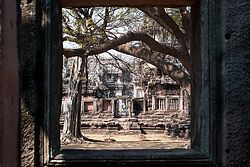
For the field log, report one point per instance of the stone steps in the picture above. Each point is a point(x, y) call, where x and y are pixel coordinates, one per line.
point(169, 122)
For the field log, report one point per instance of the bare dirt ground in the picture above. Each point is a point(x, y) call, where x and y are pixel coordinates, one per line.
point(128, 140)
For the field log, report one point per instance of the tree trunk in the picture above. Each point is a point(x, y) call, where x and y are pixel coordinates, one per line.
point(76, 112)
point(72, 113)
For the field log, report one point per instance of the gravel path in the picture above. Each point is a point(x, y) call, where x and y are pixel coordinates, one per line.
point(129, 141)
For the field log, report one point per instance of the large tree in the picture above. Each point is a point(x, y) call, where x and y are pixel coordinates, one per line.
point(134, 32)
point(157, 35)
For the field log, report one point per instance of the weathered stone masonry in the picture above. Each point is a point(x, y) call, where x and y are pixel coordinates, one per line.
point(31, 61)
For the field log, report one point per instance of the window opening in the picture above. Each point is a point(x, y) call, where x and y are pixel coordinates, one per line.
point(126, 78)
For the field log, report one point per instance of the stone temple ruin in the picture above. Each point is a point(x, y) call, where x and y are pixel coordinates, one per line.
point(134, 104)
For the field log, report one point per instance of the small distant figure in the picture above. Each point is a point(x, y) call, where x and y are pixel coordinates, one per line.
point(142, 130)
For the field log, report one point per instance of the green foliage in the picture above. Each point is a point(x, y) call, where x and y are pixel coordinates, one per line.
point(175, 15)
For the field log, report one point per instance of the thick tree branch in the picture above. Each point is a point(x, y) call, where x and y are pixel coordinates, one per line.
point(186, 23)
point(130, 36)
point(84, 13)
point(106, 18)
point(162, 18)
point(173, 71)
point(73, 53)
point(153, 14)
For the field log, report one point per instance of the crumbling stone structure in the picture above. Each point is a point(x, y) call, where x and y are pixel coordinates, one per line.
point(228, 28)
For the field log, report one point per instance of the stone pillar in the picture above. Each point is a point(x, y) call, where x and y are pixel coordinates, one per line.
point(109, 109)
point(82, 107)
point(135, 91)
point(185, 106)
point(30, 47)
point(174, 102)
point(159, 103)
point(144, 105)
point(113, 107)
point(170, 104)
point(163, 104)
point(153, 102)
point(94, 105)
point(129, 108)
point(100, 105)
point(181, 101)
point(132, 107)
point(166, 104)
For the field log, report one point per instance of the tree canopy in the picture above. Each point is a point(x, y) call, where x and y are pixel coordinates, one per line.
point(157, 35)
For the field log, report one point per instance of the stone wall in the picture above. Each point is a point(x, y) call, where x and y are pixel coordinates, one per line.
point(236, 82)
point(30, 51)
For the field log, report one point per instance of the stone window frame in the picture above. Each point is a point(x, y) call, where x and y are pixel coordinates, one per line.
point(203, 128)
